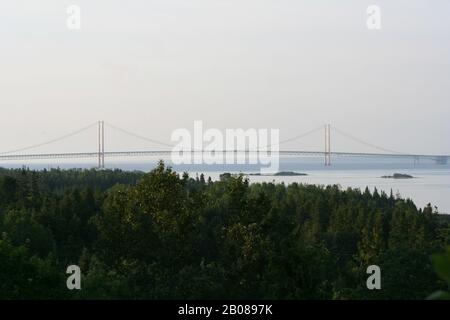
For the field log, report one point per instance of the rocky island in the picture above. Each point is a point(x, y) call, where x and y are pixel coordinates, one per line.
point(398, 176)
point(280, 174)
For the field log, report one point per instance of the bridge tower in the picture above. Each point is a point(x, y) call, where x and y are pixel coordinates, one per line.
point(101, 144)
point(327, 145)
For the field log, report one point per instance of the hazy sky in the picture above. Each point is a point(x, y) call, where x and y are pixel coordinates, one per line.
point(155, 66)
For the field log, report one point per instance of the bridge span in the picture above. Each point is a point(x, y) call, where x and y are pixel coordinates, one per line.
point(101, 154)
point(439, 159)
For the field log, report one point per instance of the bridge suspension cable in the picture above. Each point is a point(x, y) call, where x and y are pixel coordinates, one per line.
point(301, 135)
point(297, 137)
point(51, 141)
point(137, 135)
point(153, 141)
point(349, 136)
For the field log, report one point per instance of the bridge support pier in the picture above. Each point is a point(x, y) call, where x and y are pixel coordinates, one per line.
point(101, 145)
point(327, 145)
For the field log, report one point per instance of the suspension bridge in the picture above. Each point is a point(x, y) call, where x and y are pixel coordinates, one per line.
point(101, 153)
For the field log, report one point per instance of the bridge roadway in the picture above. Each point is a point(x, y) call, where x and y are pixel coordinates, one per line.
point(441, 159)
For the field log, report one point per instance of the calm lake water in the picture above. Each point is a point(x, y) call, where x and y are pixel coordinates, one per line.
point(428, 186)
point(431, 183)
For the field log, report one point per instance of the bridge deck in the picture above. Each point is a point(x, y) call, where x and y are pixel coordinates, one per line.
point(165, 153)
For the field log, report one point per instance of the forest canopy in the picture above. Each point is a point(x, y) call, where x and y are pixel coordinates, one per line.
point(162, 235)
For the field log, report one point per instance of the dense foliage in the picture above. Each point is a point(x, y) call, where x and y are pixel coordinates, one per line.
point(163, 236)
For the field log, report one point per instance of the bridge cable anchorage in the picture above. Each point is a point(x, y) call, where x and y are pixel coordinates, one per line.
point(138, 136)
point(347, 135)
point(50, 141)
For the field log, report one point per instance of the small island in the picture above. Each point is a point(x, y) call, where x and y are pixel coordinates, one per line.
point(280, 174)
point(289, 173)
point(398, 176)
